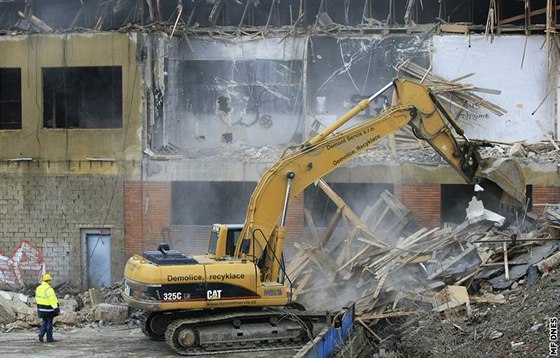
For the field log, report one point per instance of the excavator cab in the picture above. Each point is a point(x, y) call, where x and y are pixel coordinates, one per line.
point(223, 239)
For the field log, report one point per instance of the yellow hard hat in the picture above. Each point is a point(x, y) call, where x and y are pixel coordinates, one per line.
point(47, 277)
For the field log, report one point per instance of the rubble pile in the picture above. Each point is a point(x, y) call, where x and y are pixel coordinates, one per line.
point(396, 272)
point(104, 306)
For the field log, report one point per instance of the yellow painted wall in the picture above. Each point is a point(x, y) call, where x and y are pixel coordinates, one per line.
point(66, 150)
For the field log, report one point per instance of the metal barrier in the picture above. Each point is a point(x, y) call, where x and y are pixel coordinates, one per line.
point(331, 338)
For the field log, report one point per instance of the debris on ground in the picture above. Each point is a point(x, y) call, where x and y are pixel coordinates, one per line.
point(418, 291)
point(413, 286)
point(104, 307)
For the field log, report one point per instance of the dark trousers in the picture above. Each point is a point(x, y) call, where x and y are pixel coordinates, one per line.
point(47, 328)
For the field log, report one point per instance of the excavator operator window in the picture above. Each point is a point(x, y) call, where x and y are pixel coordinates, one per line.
point(213, 242)
point(231, 242)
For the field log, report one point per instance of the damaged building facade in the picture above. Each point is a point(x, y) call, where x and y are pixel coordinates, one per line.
point(129, 123)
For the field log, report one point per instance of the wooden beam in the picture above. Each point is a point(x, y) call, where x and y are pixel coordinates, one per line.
point(388, 315)
point(333, 222)
point(369, 330)
point(454, 28)
point(311, 225)
point(521, 17)
point(506, 267)
point(37, 22)
point(349, 213)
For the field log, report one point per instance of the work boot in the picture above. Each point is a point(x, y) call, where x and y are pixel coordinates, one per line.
point(40, 338)
point(51, 340)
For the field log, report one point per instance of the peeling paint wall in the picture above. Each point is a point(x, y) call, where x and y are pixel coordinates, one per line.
point(259, 84)
point(515, 65)
point(217, 93)
point(34, 53)
point(267, 91)
point(343, 71)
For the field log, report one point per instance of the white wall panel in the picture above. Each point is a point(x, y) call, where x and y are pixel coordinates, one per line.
point(497, 65)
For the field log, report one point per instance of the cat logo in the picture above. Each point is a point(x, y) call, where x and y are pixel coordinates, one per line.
point(214, 294)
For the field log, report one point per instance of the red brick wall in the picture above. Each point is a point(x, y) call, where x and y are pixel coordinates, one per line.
point(147, 210)
point(424, 201)
point(147, 207)
point(545, 195)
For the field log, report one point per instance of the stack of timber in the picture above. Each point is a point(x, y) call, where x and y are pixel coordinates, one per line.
point(384, 261)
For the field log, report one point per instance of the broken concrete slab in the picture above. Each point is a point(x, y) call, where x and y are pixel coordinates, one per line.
point(17, 303)
point(550, 263)
point(517, 150)
point(68, 318)
point(7, 314)
point(110, 313)
point(476, 210)
point(15, 296)
point(68, 305)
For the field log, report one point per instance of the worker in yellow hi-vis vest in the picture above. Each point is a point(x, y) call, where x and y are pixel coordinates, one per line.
point(47, 307)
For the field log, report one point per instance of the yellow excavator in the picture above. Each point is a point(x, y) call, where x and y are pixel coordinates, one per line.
point(237, 296)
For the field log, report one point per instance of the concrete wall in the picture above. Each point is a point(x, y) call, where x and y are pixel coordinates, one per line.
point(50, 203)
point(43, 220)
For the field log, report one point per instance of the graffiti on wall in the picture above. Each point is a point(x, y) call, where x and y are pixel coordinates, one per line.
point(24, 265)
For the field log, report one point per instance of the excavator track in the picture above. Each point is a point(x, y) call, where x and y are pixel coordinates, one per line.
point(243, 332)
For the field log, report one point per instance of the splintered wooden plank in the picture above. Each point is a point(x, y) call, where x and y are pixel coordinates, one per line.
point(333, 222)
point(370, 316)
point(417, 72)
point(324, 263)
point(322, 258)
point(380, 285)
point(360, 253)
point(547, 135)
point(414, 259)
point(379, 219)
point(348, 213)
point(366, 327)
point(396, 206)
point(297, 264)
point(301, 285)
point(347, 250)
point(397, 251)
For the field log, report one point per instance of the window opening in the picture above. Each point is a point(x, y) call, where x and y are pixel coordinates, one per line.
point(10, 98)
point(82, 97)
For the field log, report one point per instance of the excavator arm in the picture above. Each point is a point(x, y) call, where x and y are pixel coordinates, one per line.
point(263, 232)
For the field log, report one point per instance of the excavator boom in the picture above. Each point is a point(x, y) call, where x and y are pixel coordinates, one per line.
point(417, 107)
